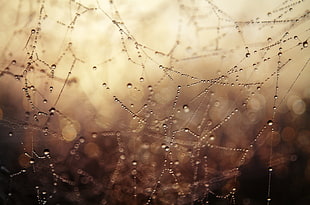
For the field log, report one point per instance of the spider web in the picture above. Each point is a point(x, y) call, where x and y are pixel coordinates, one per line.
point(164, 102)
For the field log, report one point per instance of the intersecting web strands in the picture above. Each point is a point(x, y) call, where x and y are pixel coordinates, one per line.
point(154, 102)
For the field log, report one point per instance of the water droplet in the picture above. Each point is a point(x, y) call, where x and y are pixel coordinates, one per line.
point(185, 108)
point(269, 39)
point(186, 130)
point(10, 134)
point(31, 161)
point(129, 85)
point(104, 85)
point(45, 101)
point(161, 66)
point(52, 110)
point(82, 139)
point(270, 122)
point(94, 67)
point(280, 54)
point(268, 199)
point(122, 156)
point(46, 152)
point(270, 169)
point(305, 44)
point(247, 55)
point(33, 31)
point(51, 88)
point(13, 62)
point(134, 172)
point(212, 137)
point(134, 163)
point(141, 79)
point(53, 66)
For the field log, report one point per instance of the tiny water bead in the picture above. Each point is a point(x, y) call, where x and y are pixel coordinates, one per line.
point(129, 85)
point(186, 108)
point(161, 156)
point(52, 110)
point(46, 152)
point(212, 137)
point(31, 161)
point(305, 44)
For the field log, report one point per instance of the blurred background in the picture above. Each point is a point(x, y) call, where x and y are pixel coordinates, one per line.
point(154, 102)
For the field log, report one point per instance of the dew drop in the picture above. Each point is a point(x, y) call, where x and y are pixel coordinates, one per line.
point(13, 62)
point(141, 79)
point(10, 134)
point(161, 66)
point(53, 66)
point(134, 172)
point(31, 161)
point(46, 152)
point(270, 122)
point(45, 101)
point(52, 110)
point(33, 31)
point(122, 157)
point(134, 163)
point(305, 44)
point(82, 139)
point(94, 67)
point(94, 135)
point(212, 137)
point(280, 54)
point(247, 55)
point(185, 108)
point(270, 169)
point(51, 88)
point(269, 39)
point(129, 85)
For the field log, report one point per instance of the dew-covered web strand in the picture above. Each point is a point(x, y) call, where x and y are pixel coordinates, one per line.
point(171, 73)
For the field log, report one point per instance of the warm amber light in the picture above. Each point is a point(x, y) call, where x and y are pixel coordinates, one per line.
point(154, 102)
